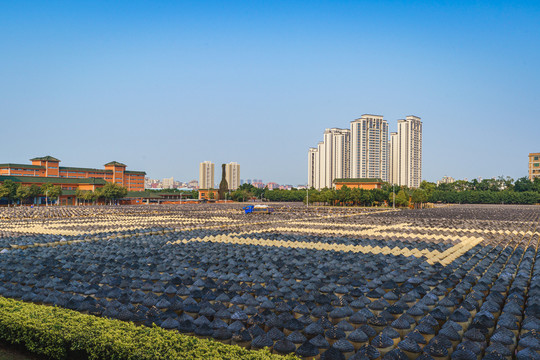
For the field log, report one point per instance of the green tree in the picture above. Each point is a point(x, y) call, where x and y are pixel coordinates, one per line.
point(8, 190)
point(314, 196)
point(429, 187)
point(86, 196)
point(22, 194)
point(239, 195)
point(379, 196)
point(386, 186)
point(98, 195)
point(506, 183)
point(483, 185)
point(45, 188)
point(252, 190)
point(344, 195)
point(328, 196)
point(368, 197)
point(34, 191)
point(246, 187)
point(523, 184)
point(402, 199)
point(536, 184)
point(91, 196)
point(112, 191)
point(51, 191)
point(419, 196)
point(445, 187)
point(356, 195)
point(460, 185)
point(79, 195)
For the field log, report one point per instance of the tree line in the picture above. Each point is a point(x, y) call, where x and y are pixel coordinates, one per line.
point(14, 192)
point(488, 191)
point(26, 194)
point(106, 194)
point(502, 190)
point(343, 196)
point(193, 194)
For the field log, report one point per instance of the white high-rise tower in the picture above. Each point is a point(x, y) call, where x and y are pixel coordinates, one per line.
point(369, 147)
point(321, 165)
point(410, 152)
point(206, 175)
point(341, 154)
point(313, 169)
point(232, 175)
point(393, 152)
point(330, 160)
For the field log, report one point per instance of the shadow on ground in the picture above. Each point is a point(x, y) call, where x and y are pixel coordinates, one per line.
point(11, 353)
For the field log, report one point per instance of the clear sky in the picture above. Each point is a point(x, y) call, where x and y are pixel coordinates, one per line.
point(164, 85)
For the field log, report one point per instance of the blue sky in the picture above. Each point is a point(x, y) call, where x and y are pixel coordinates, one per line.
point(164, 85)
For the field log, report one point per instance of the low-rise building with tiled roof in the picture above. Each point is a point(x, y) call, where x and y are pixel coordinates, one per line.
point(47, 167)
point(360, 183)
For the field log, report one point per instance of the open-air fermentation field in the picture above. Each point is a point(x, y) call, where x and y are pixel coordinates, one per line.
point(458, 282)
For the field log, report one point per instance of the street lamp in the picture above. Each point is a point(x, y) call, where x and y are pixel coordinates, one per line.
point(307, 197)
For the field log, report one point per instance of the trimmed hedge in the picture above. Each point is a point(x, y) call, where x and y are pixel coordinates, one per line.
point(65, 334)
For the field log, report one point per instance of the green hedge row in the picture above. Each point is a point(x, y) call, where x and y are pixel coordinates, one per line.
point(65, 334)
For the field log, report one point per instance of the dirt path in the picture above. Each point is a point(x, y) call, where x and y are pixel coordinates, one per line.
point(10, 353)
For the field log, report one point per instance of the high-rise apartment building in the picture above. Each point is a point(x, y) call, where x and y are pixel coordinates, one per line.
point(330, 159)
point(341, 153)
point(365, 151)
point(312, 166)
point(232, 175)
point(334, 161)
point(410, 152)
point(393, 156)
point(206, 175)
point(534, 166)
point(405, 153)
point(327, 162)
point(320, 166)
point(369, 147)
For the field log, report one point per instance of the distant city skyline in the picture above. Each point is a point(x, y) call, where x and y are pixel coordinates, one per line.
point(161, 86)
point(171, 183)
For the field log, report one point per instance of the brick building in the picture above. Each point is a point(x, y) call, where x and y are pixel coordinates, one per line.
point(49, 167)
point(365, 183)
